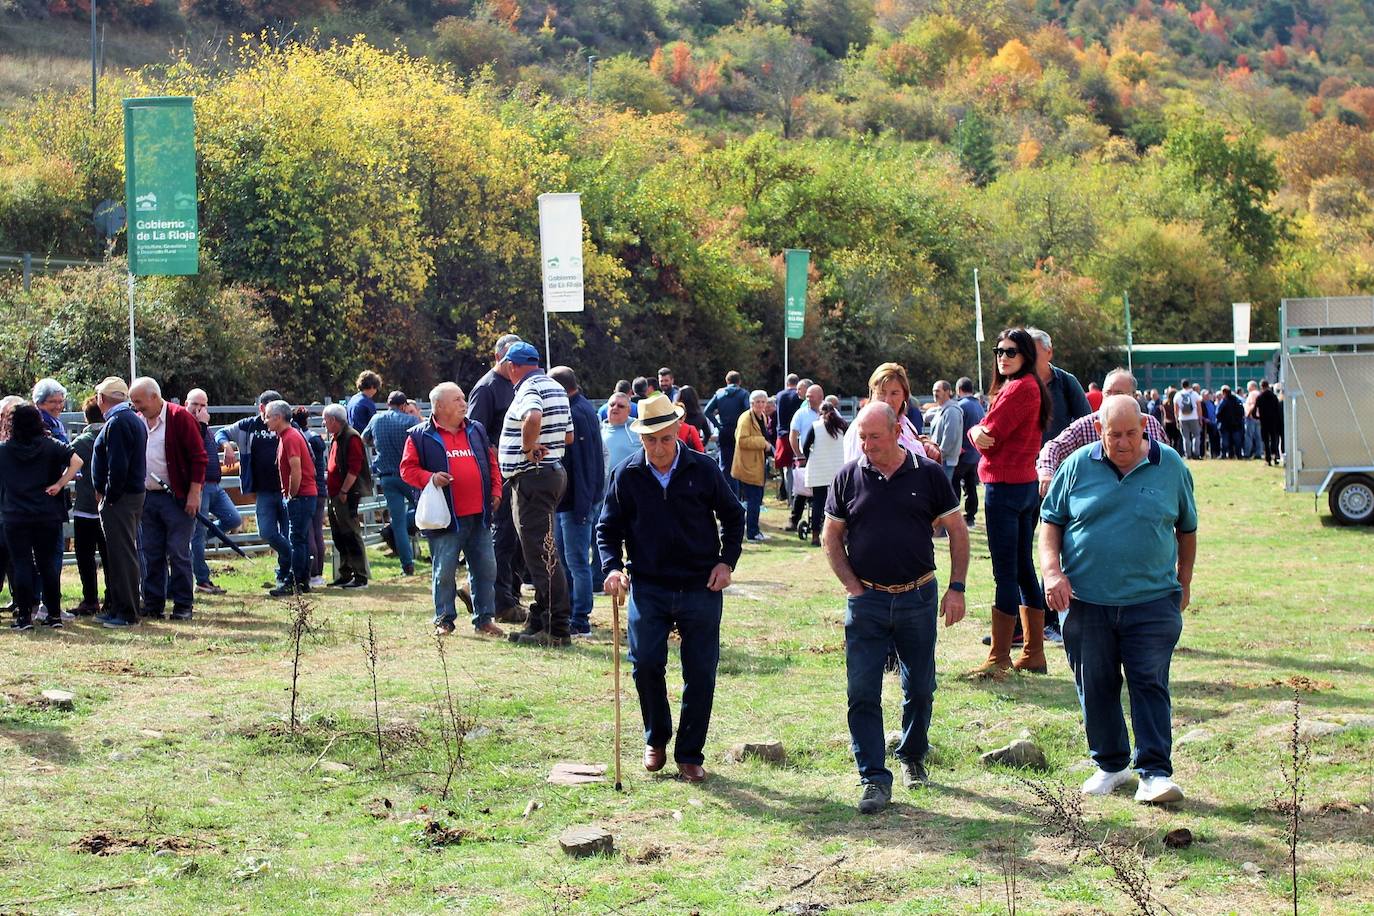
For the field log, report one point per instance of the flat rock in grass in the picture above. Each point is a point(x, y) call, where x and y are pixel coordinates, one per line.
point(1020, 754)
point(769, 752)
point(577, 774)
point(59, 699)
point(1358, 721)
point(1308, 730)
point(586, 841)
point(1195, 736)
point(333, 766)
point(1179, 838)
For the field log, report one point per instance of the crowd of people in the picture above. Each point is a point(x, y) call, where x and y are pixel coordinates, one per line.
point(651, 498)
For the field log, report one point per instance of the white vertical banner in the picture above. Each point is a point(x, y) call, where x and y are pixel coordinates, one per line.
point(1240, 320)
point(977, 309)
point(560, 251)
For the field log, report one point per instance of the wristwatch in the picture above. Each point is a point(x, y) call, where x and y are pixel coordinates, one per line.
point(955, 587)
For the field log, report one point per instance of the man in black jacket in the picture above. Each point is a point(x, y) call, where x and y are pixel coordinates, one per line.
point(724, 409)
point(1231, 423)
point(575, 521)
point(488, 402)
point(671, 510)
point(119, 470)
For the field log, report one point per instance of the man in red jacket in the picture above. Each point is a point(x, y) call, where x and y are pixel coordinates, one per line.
point(176, 475)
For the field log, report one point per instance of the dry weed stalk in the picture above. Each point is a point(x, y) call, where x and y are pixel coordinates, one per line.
point(300, 625)
point(1011, 863)
point(1060, 810)
point(1290, 799)
point(370, 654)
point(453, 725)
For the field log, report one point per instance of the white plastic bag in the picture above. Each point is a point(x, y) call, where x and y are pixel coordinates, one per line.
point(431, 512)
point(799, 487)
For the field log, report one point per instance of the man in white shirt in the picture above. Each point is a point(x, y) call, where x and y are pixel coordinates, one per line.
point(1189, 414)
point(806, 415)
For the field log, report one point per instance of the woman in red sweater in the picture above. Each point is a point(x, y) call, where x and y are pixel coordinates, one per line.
point(1009, 439)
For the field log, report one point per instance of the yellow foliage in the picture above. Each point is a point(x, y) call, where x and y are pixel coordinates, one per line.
point(1015, 59)
point(1028, 150)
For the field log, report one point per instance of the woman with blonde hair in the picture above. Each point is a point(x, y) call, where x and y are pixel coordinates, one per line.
point(889, 384)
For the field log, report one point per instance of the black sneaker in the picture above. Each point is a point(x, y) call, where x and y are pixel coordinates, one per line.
point(355, 582)
point(408, 570)
point(21, 623)
point(914, 775)
point(287, 591)
point(151, 615)
point(181, 613)
point(54, 622)
point(876, 797)
point(341, 582)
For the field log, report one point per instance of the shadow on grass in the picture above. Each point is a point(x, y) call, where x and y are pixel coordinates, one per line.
point(1282, 662)
point(905, 824)
point(1329, 521)
point(53, 744)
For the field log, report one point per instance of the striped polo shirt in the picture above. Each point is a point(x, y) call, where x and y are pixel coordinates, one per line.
point(536, 392)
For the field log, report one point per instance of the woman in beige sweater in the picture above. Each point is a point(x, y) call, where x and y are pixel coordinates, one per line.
point(751, 447)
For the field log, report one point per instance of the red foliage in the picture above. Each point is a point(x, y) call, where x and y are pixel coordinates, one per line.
point(1276, 58)
point(1361, 100)
point(1208, 22)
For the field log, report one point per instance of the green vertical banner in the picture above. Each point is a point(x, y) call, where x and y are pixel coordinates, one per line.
point(160, 186)
point(798, 260)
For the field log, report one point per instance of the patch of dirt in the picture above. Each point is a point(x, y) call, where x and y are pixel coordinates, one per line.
point(439, 834)
point(826, 648)
point(648, 854)
point(380, 808)
point(106, 843)
point(1303, 682)
point(120, 668)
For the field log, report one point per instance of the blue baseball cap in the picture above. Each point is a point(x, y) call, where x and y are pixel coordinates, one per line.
point(522, 354)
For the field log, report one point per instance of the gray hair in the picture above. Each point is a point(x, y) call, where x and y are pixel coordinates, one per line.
point(146, 383)
point(336, 413)
point(437, 392)
point(882, 410)
point(1041, 338)
point(504, 343)
point(1117, 402)
point(45, 388)
point(279, 408)
point(758, 395)
point(1119, 372)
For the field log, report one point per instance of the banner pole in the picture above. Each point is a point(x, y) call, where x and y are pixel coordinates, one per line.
point(784, 356)
point(1130, 341)
point(133, 344)
point(548, 343)
point(978, 326)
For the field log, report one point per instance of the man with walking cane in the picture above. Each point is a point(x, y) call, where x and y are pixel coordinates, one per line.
point(671, 510)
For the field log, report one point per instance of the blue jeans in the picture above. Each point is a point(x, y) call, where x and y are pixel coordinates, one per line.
point(164, 541)
point(727, 458)
point(272, 528)
point(1010, 511)
point(1103, 643)
point(1232, 441)
point(873, 622)
point(573, 539)
point(653, 611)
point(300, 521)
point(1254, 445)
point(400, 505)
point(753, 499)
point(473, 539)
point(216, 504)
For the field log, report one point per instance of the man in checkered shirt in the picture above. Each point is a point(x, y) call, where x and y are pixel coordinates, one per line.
point(1082, 432)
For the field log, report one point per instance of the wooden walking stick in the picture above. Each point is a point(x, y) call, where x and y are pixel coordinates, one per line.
point(615, 640)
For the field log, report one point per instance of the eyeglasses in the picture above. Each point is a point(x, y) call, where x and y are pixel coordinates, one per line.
point(1008, 352)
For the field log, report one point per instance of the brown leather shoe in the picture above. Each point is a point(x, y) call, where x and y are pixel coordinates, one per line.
point(515, 614)
point(490, 629)
point(654, 758)
point(692, 772)
point(999, 658)
point(1032, 658)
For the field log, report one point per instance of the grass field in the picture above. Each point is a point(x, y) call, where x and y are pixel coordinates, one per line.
point(176, 762)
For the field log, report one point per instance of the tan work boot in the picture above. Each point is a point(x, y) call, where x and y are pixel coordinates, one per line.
point(999, 656)
point(1033, 652)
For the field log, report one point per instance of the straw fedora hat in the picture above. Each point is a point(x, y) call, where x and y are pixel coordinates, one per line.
point(656, 414)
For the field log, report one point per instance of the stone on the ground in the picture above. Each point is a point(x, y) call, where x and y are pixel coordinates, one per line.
point(60, 699)
point(1179, 838)
point(586, 841)
point(1196, 736)
point(1358, 721)
point(333, 766)
point(769, 752)
point(1308, 730)
point(1020, 754)
point(1250, 868)
point(893, 739)
point(1082, 766)
point(577, 774)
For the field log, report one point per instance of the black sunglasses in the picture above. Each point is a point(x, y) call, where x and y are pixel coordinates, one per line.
point(1008, 352)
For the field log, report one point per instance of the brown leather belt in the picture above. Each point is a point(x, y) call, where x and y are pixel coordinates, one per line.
point(898, 589)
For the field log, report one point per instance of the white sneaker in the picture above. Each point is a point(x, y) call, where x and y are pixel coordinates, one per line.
point(1157, 790)
point(317, 582)
point(1104, 783)
point(758, 538)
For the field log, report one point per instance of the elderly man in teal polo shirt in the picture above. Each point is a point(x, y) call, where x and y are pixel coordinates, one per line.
point(1117, 551)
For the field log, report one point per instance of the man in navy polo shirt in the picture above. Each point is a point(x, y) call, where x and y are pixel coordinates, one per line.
point(880, 516)
point(1121, 610)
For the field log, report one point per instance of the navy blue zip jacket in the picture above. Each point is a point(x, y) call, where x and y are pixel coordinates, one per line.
point(672, 536)
point(725, 408)
point(119, 460)
point(433, 458)
point(585, 461)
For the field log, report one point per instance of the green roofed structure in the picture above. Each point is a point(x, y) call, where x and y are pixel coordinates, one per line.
point(1211, 365)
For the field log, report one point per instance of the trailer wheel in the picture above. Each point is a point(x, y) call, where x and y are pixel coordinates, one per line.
point(1352, 500)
